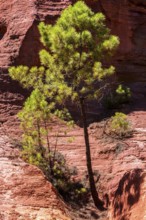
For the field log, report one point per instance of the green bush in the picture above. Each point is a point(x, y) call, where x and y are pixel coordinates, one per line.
point(62, 177)
point(119, 125)
point(123, 93)
point(120, 96)
point(56, 170)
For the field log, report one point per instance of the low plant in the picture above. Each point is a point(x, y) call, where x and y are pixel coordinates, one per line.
point(37, 117)
point(61, 176)
point(72, 190)
point(121, 95)
point(55, 168)
point(119, 125)
point(124, 93)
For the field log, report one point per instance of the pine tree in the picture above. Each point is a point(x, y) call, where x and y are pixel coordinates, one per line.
point(72, 65)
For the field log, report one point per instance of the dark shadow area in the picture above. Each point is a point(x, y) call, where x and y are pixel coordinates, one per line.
point(97, 111)
point(11, 90)
point(138, 2)
point(128, 193)
point(29, 50)
point(94, 215)
point(3, 30)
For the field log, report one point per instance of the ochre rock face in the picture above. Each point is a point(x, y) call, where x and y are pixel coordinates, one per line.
point(24, 191)
point(19, 37)
point(16, 17)
point(127, 19)
point(120, 166)
point(130, 197)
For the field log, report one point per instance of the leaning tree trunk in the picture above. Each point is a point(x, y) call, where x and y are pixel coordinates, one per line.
point(98, 203)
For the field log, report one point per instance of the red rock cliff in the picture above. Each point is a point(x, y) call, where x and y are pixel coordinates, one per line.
point(19, 37)
point(24, 191)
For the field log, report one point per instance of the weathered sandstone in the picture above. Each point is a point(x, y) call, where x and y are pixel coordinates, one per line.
point(130, 196)
point(24, 191)
point(119, 165)
point(19, 37)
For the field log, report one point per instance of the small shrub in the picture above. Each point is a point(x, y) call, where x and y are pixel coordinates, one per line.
point(119, 125)
point(120, 96)
point(62, 177)
point(124, 93)
point(55, 168)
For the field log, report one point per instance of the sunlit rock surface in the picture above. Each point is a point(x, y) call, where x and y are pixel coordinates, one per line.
point(19, 37)
point(24, 191)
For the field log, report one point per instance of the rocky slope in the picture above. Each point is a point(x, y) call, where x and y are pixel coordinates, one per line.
point(19, 37)
point(24, 191)
point(120, 167)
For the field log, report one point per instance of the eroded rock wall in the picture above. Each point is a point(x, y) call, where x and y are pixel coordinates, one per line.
point(25, 193)
point(119, 166)
point(129, 200)
point(16, 17)
point(19, 37)
point(127, 19)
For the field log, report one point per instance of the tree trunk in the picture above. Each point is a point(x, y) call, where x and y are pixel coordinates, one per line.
point(98, 203)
